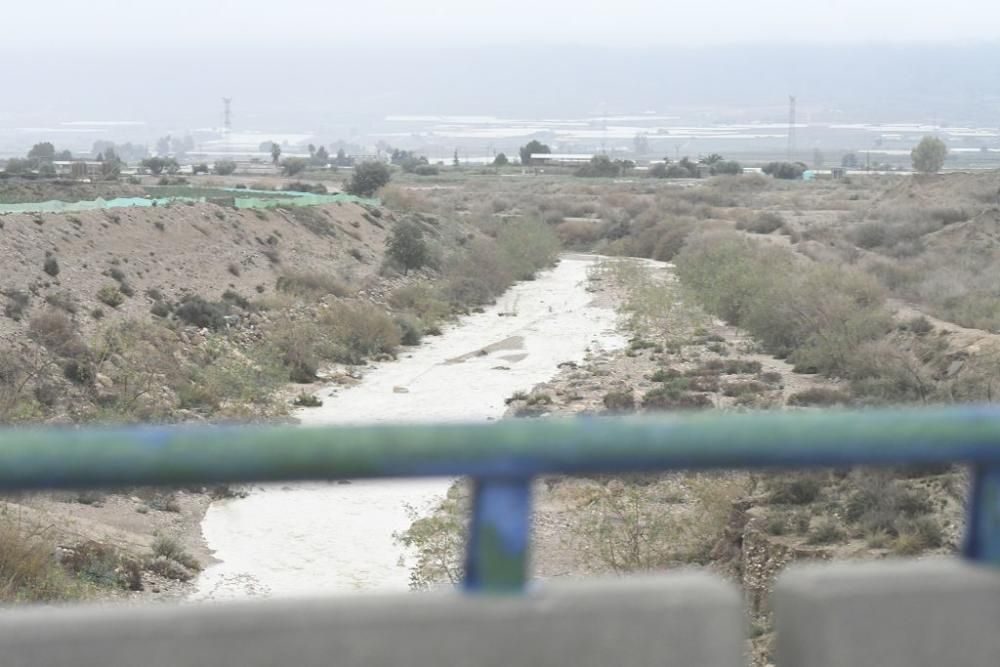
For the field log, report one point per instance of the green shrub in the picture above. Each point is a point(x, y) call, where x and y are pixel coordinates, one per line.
point(621, 401)
point(527, 246)
point(406, 246)
point(368, 177)
point(224, 167)
point(305, 400)
point(674, 397)
point(819, 320)
point(360, 331)
point(196, 311)
point(826, 531)
point(410, 329)
point(819, 396)
point(111, 295)
point(172, 549)
point(793, 489)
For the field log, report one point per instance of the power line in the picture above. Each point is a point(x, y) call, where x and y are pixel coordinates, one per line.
point(791, 126)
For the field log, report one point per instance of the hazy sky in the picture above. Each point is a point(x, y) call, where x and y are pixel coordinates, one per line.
point(463, 22)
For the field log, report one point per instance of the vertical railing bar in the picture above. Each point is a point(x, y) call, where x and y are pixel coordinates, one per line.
point(982, 533)
point(499, 536)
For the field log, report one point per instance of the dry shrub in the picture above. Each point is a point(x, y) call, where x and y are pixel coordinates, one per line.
point(314, 284)
point(29, 571)
point(408, 200)
point(644, 523)
point(361, 330)
point(579, 233)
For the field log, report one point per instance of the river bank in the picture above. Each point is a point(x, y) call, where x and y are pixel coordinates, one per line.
point(329, 538)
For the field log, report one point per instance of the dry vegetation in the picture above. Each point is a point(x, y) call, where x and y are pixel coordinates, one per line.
point(784, 295)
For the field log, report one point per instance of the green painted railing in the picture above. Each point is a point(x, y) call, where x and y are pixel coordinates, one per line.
point(502, 458)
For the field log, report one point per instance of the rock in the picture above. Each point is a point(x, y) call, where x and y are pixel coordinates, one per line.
point(104, 381)
point(400, 390)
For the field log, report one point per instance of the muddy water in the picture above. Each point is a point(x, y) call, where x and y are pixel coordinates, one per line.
point(326, 538)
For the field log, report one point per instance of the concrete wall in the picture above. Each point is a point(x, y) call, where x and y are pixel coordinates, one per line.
point(687, 620)
point(933, 613)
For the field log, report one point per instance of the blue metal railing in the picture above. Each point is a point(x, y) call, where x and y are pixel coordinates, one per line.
point(503, 458)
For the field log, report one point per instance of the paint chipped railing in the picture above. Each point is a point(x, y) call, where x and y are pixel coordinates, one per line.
point(502, 459)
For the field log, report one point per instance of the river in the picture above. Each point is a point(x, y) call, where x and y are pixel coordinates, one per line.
point(323, 538)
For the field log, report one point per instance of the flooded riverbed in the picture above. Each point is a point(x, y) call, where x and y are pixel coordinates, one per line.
point(323, 538)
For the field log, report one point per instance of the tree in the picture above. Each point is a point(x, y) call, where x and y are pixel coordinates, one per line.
point(163, 145)
point(43, 152)
point(157, 165)
point(111, 165)
point(640, 144)
point(600, 166)
point(849, 161)
point(225, 167)
point(199, 168)
point(786, 170)
point(406, 246)
point(454, 160)
point(293, 166)
point(726, 167)
point(368, 177)
point(711, 159)
point(928, 157)
point(275, 153)
point(533, 147)
point(500, 160)
point(322, 156)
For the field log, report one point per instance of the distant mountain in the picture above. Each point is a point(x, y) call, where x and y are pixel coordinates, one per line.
point(333, 91)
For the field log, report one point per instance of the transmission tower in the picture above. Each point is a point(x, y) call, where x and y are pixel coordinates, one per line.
point(227, 117)
point(791, 127)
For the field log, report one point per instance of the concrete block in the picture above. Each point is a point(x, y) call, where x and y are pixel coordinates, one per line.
point(927, 613)
point(684, 620)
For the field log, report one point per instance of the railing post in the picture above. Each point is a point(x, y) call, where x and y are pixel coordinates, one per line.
point(982, 536)
point(497, 554)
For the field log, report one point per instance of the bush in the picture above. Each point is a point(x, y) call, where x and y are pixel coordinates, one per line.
point(17, 303)
point(304, 400)
point(619, 401)
point(527, 246)
point(918, 535)
point(225, 167)
point(406, 246)
point(794, 489)
point(311, 284)
point(674, 397)
point(368, 177)
point(928, 156)
point(762, 223)
point(785, 170)
point(411, 331)
point(726, 168)
point(600, 166)
point(819, 396)
point(29, 571)
point(55, 331)
point(826, 531)
point(360, 331)
point(819, 320)
point(198, 312)
point(171, 548)
point(51, 266)
point(111, 295)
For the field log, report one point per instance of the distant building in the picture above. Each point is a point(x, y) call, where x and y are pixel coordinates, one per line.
point(561, 159)
point(78, 168)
